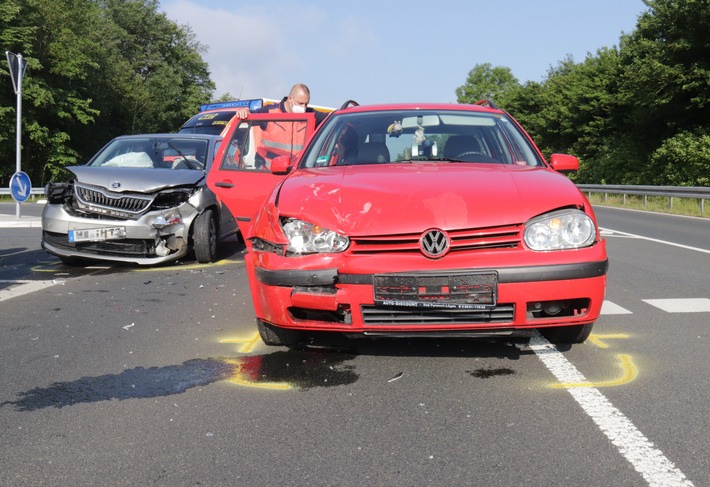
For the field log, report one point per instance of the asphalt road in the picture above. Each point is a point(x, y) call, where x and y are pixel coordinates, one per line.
point(120, 375)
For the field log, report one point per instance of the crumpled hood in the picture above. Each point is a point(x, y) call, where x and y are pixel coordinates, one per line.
point(131, 179)
point(395, 198)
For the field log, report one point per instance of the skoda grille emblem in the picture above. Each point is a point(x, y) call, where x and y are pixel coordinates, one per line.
point(434, 243)
point(115, 185)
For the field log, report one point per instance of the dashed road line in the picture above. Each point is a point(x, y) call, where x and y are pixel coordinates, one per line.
point(681, 305)
point(609, 308)
point(669, 305)
point(651, 463)
point(22, 287)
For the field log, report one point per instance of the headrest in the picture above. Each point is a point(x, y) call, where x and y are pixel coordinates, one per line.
point(373, 153)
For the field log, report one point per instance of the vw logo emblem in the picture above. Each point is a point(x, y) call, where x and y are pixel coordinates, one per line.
point(115, 185)
point(434, 243)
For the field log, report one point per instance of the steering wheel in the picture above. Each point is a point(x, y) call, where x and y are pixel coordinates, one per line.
point(475, 156)
point(468, 153)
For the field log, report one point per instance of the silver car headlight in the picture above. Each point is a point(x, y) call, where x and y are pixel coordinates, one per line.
point(560, 230)
point(307, 238)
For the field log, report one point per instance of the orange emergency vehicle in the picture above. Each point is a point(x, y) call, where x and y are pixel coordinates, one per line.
point(214, 118)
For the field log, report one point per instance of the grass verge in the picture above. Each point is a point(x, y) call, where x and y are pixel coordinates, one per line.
point(655, 204)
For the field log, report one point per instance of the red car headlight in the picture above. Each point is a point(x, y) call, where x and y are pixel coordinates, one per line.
point(308, 238)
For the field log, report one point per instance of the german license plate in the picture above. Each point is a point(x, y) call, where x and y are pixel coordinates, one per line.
point(97, 234)
point(458, 291)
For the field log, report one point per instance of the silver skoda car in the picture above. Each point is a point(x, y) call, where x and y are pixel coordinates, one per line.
point(141, 199)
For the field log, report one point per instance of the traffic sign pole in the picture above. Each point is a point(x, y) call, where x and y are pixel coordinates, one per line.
point(17, 72)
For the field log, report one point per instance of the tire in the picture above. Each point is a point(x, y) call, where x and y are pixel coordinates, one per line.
point(204, 237)
point(278, 337)
point(567, 334)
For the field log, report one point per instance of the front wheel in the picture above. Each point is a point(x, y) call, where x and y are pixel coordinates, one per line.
point(204, 237)
point(567, 334)
point(279, 337)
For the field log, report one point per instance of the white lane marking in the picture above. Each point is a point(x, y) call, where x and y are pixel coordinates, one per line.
point(608, 232)
point(679, 305)
point(23, 222)
point(650, 462)
point(23, 287)
point(609, 308)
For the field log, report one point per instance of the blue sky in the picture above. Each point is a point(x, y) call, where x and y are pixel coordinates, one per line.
point(391, 50)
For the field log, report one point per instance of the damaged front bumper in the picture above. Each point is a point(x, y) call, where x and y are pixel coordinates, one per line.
point(528, 297)
point(155, 237)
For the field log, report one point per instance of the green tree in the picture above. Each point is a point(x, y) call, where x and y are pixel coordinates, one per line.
point(96, 69)
point(636, 114)
point(682, 160)
point(665, 83)
point(485, 82)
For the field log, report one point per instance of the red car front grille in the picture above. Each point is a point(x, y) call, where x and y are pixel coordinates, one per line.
point(382, 315)
point(507, 237)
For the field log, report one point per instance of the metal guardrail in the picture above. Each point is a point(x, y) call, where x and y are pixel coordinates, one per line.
point(670, 192)
point(33, 191)
point(698, 192)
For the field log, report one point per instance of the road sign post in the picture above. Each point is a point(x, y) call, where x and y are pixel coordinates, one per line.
point(18, 66)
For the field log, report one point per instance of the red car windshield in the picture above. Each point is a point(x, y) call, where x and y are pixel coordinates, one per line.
point(420, 136)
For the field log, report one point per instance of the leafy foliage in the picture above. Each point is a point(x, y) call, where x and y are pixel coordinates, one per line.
point(486, 82)
point(96, 69)
point(633, 114)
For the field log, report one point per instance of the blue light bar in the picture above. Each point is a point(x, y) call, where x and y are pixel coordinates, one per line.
point(251, 104)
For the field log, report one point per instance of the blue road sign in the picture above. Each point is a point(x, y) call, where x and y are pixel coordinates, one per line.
point(20, 186)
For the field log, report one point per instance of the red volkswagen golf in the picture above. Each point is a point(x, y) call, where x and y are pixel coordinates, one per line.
point(410, 220)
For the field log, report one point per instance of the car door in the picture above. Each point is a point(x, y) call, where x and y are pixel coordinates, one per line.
point(241, 176)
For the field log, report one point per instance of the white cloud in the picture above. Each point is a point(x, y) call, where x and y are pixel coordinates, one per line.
point(247, 51)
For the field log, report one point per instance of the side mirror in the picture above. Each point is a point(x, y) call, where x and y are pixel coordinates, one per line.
point(281, 165)
point(564, 163)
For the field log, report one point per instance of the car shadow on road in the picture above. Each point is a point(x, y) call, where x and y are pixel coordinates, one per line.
point(298, 370)
point(316, 366)
point(500, 347)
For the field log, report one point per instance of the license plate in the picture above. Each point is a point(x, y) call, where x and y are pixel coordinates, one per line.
point(97, 234)
point(458, 291)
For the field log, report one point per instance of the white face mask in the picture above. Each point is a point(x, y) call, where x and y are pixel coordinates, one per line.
point(298, 108)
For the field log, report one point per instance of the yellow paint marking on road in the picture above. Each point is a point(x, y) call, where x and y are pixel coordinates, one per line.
point(629, 373)
point(187, 267)
point(598, 340)
point(239, 377)
point(248, 343)
point(52, 266)
point(273, 386)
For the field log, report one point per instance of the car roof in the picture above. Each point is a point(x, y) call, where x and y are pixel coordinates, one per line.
point(171, 136)
point(481, 106)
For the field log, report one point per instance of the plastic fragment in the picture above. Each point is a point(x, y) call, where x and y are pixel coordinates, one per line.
point(396, 377)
